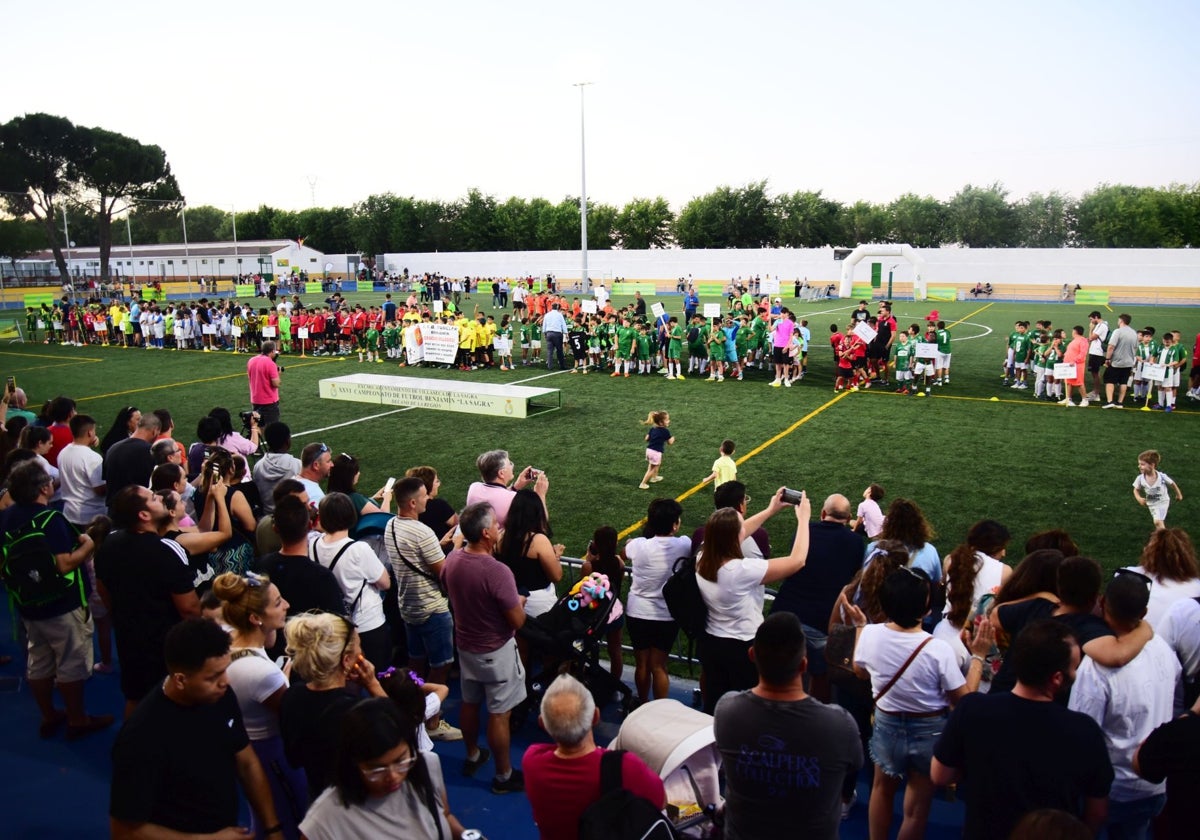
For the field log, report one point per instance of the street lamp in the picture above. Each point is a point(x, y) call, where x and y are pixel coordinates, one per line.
point(583, 242)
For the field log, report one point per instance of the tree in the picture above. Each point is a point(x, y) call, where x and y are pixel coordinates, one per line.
point(19, 238)
point(558, 226)
point(808, 220)
point(517, 222)
point(728, 218)
point(204, 224)
point(644, 223)
point(917, 220)
point(981, 217)
point(1046, 221)
point(39, 156)
point(117, 171)
point(475, 222)
point(863, 222)
point(601, 221)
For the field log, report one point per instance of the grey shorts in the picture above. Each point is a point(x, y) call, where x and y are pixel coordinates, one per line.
point(496, 676)
point(60, 647)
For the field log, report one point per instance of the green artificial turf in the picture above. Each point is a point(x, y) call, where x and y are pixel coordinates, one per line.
point(959, 454)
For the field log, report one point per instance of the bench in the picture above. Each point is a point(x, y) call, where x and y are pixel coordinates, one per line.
point(862, 292)
point(441, 394)
point(626, 287)
point(941, 293)
point(710, 288)
point(1092, 297)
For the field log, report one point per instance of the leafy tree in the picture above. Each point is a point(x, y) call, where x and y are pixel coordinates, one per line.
point(558, 226)
point(326, 229)
point(475, 222)
point(863, 222)
point(371, 223)
point(517, 223)
point(116, 171)
point(19, 238)
point(728, 218)
point(808, 220)
point(204, 224)
point(981, 217)
point(1046, 221)
point(39, 157)
point(602, 220)
point(643, 223)
point(917, 220)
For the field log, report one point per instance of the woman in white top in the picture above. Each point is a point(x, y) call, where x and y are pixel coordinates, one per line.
point(360, 574)
point(973, 569)
point(253, 607)
point(650, 560)
point(733, 588)
point(914, 680)
point(384, 787)
point(1169, 560)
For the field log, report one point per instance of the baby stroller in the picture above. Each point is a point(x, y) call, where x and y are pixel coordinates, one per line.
point(678, 743)
point(568, 638)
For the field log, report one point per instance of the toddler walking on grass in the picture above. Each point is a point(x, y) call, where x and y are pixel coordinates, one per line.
point(656, 441)
point(1155, 485)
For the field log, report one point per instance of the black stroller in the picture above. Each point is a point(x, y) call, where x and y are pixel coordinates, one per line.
point(568, 639)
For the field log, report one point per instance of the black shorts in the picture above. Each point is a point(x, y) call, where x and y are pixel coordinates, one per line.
point(858, 362)
point(1095, 363)
point(877, 352)
point(645, 633)
point(1117, 375)
point(780, 355)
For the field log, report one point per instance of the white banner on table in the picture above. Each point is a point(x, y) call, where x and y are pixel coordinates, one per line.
point(658, 309)
point(302, 332)
point(867, 333)
point(269, 332)
point(712, 310)
point(927, 350)
point(1065, 371)
point(414, 348)
point(588, 307)
point(769, 286)
point(439, 342)
point(1155, 373)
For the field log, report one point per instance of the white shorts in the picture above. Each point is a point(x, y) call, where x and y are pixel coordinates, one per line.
point(1170, 378)
point(903, 375)
point(1020, 365)
point(943, 360)
point(1159, 510)
point(925, 366)
point(535, 345)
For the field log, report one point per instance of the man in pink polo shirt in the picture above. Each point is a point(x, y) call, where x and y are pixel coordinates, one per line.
point(264, 384)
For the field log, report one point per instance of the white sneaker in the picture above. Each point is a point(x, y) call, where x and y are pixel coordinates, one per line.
point(787, 383)
point(1083, 403)
point(1092, 395)
point(847, 807)
point(775, 383)
point(444, 732)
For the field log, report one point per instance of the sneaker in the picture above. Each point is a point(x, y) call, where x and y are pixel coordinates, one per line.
point(444, 732)
point(1015, 385)
point(1083, 403)
point(1109, 405)
point(469, 766)
point(847, 807)
point(669, 376)
point(787, 383)
point(643, 486)
point(1169, 408)
point(680, 376)
point(720, 378)
point(1066, 401)
point(656, 479)
point(739, 377)
point(776, 383)
point(101, 668)
point(615, 373)
point(1117, 405)
point(513, 784)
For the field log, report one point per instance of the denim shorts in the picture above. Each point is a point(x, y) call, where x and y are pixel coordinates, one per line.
point(901, 744)
point(432, 640)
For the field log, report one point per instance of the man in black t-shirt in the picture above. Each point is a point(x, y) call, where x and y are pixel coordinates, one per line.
point(785, 753)
point(305, 585)
point(128, 463)
point(177, 759)
point(1020, 751)
point(146, 585)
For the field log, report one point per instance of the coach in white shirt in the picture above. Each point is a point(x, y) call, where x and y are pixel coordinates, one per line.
point(79, 471)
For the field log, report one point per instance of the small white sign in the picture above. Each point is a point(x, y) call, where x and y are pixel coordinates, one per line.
point(658, 309)
point(1065, 371)
point(712, 310)
point(927, 350)
point(269, 332)
point(208, 329)
point(1155, 373)
point(41, 324)
point(865, 331)
point(503, 345)
point(101, 327)
point(437, 306)
point(235, 331)
point(302, 332)
point(588, 307)
point(58, 325)
point(769, 286)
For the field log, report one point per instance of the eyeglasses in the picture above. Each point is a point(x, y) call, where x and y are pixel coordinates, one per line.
point(322, 449)
point(1143, 578)
point(375, 774)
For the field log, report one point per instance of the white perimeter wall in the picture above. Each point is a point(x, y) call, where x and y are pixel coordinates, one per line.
point(1147, 268)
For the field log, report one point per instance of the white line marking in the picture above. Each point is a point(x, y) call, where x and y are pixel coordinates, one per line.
point(406, 408)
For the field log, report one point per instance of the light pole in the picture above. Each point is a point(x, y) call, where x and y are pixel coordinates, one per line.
point(583, 243)
point(187, 263)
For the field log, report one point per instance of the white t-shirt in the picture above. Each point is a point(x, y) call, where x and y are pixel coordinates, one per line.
point(872, 517)
point(357, 570)
point(253, 679)
point(1180, 629)
point(735, 601)
point(988, 571)
point(399, 815)
point(651, 560)
point(314, 491)
point(1164, 593)
point(1096, 348)
point(433, 706)
point(882, 651)
point(1156, 493)
point(1128, 703)
point(80, 470)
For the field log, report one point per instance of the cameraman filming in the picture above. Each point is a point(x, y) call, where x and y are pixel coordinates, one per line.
point(264, 383)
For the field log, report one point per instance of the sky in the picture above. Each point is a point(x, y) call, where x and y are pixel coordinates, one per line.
point(266, 102)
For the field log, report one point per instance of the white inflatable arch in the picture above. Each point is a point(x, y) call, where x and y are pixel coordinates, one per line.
point(905, 251)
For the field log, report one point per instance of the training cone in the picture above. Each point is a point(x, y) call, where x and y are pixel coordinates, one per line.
point(920, 393)
point(1144, 408)
point(994, 399)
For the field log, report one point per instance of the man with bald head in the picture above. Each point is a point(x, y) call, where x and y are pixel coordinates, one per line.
point(835, 554)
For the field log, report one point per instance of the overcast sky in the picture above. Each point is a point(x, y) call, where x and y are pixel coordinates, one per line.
point(861, 99)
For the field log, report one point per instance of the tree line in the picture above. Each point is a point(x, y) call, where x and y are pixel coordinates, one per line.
point(47, 163)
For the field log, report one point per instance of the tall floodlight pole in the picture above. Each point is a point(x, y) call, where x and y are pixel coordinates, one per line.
point(237, 264)
point(583, 245)
point(187, 262)
point(67, 236)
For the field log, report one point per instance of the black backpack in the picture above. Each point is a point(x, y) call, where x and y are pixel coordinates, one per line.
point(684, 601)
point(29, 568)
point(620, 814)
